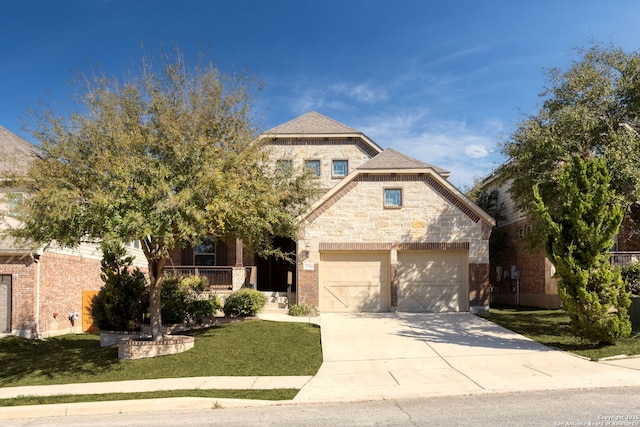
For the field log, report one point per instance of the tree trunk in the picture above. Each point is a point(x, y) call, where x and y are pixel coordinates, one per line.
point(156, 278)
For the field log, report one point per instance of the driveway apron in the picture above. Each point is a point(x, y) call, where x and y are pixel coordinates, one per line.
point(392, 355)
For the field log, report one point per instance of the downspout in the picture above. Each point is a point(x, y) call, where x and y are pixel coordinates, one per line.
point(36, 260)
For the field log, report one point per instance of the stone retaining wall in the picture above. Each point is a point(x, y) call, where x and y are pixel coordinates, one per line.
point(132, 348)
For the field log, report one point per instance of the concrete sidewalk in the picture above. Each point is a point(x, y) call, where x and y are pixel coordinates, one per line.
point(398, 355)
point(374, 356)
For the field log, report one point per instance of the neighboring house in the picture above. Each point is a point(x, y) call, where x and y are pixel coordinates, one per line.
point(521, 276)
point(40, 287)
point(388, 233)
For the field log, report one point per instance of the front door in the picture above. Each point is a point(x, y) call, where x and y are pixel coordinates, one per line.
point(276, 274)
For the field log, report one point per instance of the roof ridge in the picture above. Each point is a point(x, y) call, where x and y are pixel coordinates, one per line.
point(312, 123)
point(393, 159)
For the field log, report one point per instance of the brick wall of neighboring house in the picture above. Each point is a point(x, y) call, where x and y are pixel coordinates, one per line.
point(62, 280)
point(23, 297)
point(478, 289)
point(537, 287)
point(628, 237)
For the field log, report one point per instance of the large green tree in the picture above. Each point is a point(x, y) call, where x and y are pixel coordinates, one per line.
point(579, 235)
point(164, 156)
point(592, 108)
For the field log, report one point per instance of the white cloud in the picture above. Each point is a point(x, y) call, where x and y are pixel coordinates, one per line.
point(451, 145)
point(476, 151)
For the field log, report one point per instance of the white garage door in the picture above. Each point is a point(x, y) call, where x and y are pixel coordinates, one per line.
point(432, 281)
point(354, 281)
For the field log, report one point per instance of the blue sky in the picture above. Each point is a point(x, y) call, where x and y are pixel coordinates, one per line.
point(443, 82)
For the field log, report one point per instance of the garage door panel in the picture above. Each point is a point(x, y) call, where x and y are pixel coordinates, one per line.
point(429, 298)
point(430, 274)
point(351, 298)
point(431, 281)
point(351, 282)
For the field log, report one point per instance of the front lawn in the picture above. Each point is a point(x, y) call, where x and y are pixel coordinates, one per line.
point(248, 348)
point(551, 327)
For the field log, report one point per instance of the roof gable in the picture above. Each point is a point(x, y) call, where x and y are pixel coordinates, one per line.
point(392, 159)
point(15, 153)
point(434, 180)
point(312, 123)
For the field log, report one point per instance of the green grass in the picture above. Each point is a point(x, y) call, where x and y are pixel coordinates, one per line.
point(551, 327)
point(248, 348)
point(274, 394)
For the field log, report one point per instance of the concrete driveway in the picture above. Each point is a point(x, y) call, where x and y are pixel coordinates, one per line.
point(392, 355)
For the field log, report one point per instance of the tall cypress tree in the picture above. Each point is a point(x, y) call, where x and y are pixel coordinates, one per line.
point(580, 233)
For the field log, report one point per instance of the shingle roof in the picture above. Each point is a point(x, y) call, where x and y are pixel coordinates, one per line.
point(311, 123)
point(15, 153)
point(392, 159)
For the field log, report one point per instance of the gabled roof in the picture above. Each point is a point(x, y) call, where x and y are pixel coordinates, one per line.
point(312, 123)
point(15, 153)
point(392, 159)
point(428, 175)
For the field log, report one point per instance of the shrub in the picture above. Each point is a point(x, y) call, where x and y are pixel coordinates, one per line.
point(631, 276)
point(185, 300)
point(244, 302)
point(121, 303)
point(303, 310)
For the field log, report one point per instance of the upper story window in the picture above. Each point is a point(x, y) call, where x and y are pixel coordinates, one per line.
point(313, 166)
point(14, 200)
point(340, 168)
point(392, 197)
point(205, 252)
point(284, 166)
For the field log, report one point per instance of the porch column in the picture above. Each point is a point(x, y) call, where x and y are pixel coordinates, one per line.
point(239, 262)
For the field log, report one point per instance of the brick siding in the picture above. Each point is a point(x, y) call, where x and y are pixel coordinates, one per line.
point(62, 280)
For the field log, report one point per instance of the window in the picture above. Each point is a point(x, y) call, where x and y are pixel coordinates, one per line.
point(14, 201)
point(392, 197)
point(205, 252)
point(313, 165)
point(340, 168)
point(284, 166)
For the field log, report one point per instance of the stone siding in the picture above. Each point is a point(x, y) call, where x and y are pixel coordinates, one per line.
point(350, 149)
point(355, 219)
point(360, 217)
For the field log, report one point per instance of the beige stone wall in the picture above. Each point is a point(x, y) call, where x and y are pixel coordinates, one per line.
point(355, 218)
point(360, 217)
point(298, 153)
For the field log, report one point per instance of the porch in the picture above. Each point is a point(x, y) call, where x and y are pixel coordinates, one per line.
point(221, 279)
point(225, 279)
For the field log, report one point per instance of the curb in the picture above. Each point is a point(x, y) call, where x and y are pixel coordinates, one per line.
point(130, 406)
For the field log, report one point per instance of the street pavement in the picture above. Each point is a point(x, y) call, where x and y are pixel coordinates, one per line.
point(371, 356)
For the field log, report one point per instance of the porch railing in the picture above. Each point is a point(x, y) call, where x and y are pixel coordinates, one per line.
point(219, 278)
point(620, 259)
